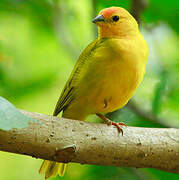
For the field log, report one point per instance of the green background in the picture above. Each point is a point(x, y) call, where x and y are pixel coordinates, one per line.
point(39, 44)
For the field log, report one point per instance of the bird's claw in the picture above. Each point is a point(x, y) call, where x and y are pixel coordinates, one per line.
point(109, 122)
point(118, 126)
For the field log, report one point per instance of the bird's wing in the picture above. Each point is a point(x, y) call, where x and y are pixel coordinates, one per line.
point(67, 94)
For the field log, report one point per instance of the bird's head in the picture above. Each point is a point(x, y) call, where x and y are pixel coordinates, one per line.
point(115, 22)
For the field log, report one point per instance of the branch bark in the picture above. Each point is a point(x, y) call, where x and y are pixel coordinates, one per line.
point(65, 140)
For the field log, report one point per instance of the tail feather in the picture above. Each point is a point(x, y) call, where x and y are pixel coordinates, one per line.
point(62, 169)
point(52, 169)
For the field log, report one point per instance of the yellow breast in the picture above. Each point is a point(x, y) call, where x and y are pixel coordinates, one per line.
point(109, 79)
point(123, 74)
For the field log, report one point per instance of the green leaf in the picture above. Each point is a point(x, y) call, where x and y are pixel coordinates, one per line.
point(11, 117)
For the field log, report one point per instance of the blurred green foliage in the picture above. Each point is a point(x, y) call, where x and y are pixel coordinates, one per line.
point(39, 44)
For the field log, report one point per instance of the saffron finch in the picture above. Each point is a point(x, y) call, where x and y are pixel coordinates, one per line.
point(106, 74)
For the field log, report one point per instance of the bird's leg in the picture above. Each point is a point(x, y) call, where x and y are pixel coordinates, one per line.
point(109, 122)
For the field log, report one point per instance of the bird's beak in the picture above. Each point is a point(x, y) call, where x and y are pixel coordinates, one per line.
point(98, 18)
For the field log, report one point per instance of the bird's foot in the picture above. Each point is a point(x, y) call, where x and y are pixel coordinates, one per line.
point(109, 122)
point(118, 126)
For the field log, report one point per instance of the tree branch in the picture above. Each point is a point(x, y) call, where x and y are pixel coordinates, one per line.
point(67, 140)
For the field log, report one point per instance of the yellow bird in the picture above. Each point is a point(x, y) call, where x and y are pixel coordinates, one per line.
point(106, 74)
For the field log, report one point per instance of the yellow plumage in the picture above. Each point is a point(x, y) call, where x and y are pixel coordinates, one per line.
point(52, 169)
point(106, 74)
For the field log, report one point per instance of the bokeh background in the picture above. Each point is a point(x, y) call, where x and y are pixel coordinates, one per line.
point(39, 44)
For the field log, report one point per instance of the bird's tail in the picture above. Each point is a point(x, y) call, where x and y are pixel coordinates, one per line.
point(52, 169)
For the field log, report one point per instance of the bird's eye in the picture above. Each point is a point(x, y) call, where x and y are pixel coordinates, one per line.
point(115, 18)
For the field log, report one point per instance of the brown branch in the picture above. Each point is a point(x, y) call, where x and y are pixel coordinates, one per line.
point(67, 140)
